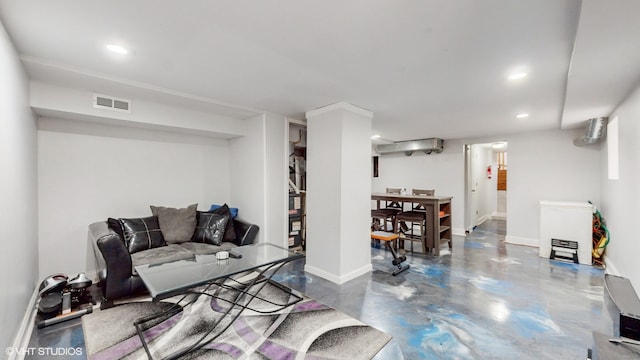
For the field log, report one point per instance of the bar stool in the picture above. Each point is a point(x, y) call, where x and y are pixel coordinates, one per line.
point(387, 214)
point(417, 216)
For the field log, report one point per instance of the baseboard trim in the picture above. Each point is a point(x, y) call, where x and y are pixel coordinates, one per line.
point(355, 273)
point(610, 267)
point(499, 216)
point(458, 231)
point(518, 240)
point(21, 341)
point(338, 279)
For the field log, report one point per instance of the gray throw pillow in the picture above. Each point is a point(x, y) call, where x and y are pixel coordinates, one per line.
point(177, 225)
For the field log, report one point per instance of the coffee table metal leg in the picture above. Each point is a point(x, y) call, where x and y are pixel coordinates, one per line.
point(171, 311)
point(258, 279)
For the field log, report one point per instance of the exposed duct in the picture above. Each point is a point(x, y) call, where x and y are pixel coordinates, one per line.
point(596, 131)
point(428, 146)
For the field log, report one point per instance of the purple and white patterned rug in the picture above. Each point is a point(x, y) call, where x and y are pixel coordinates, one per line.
point(306, 330)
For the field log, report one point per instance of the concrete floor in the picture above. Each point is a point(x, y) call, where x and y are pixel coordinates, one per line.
point(486, 299)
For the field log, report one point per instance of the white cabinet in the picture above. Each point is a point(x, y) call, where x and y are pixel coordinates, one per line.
point(566, 220)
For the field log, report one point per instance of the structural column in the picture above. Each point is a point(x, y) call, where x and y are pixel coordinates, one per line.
point(338, 192)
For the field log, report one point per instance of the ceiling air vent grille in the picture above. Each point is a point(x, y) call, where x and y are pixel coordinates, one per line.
point(111, 103)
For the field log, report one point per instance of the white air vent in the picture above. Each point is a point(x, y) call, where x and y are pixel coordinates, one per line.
point(111, 103)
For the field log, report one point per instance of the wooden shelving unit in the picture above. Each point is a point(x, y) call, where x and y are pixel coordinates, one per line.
point(445, 234)
point(296, 219)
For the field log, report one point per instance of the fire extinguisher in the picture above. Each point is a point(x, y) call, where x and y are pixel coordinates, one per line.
point(489, 172)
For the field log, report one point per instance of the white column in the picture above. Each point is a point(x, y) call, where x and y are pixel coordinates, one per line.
point(338, 192)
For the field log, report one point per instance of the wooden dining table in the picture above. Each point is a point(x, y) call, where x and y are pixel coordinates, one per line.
point(438, 217)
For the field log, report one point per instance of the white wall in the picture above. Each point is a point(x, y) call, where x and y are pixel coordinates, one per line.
point(443, 172)
point(339, 192)
point(323, 195)
point(493, 185)
point(356, 195)
point(258, 182)
point(18, 191)
point(75, 103)
point(500, 204)
point(248, 188)
point(620, 198)
point(482, 195)
point(547, 166)
point(543, 165)
point(277, 173)
point(84, 177)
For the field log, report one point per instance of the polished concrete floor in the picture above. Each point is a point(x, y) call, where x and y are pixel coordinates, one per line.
point(486, 299)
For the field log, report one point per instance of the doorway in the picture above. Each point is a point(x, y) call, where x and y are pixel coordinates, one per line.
point(297, 160)
point(485, 183)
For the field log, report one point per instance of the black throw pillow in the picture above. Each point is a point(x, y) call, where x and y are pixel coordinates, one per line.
point(141, 233)
point(229, 232)
point(210, 228)
point(115, 225)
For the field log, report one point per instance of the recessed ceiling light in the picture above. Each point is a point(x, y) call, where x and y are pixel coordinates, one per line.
point(522, 116)
point(117, 49)
point(498, 145)
point(373, 137)
point(517, 75)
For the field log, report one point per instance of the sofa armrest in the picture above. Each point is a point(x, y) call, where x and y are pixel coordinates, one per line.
point(246, 233)
point(113, 260)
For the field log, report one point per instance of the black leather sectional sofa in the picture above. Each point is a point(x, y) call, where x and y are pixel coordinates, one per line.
point(116, 265)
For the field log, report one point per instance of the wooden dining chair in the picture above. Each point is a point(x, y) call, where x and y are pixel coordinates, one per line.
point(407, 221)
point(386, 215)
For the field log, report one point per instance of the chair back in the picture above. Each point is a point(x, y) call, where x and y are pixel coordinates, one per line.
point(420, 192)
point(393, 204)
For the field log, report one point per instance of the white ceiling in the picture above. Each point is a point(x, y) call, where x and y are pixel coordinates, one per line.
point(425, 68)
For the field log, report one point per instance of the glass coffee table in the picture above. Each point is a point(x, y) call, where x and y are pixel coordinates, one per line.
point(196, 277)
